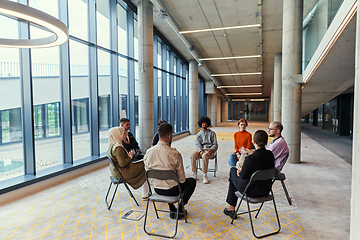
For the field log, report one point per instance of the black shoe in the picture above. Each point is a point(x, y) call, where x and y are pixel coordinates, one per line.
point(230, 213)
point(181, 214)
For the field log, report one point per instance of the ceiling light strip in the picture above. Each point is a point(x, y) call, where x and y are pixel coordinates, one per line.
point(217, 29)
point(235, 74)
point(21, 11)
point(240, 94)
point(332, 41)
point(241, 86)
point(226, 58)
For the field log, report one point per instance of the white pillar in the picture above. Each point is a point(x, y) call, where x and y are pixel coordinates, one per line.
point(355, 183)
point(193, 96)
point(277, 87)
point(146, 75)
point(213, 115)
point(291, 66)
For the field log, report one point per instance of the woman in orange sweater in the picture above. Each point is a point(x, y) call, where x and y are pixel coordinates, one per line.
point(242, 138)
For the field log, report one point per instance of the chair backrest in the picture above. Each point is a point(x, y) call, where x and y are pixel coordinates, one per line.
point(112, 164)
point(162, 175)
point(262, 175)
point(283, 164)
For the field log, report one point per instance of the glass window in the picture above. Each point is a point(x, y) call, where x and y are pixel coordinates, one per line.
point(11, 153)
point(136, 37)
point(122, 30)
point(136, 65)
point(78, 18)
point(159, 54)
point(104, 98)
point(79, 74)
point(48, 6)
point(159, 96)
point(103, 23)
point(123, 87)
point(46, 100)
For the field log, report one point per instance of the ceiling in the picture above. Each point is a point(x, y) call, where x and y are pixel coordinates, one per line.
point(264, 41)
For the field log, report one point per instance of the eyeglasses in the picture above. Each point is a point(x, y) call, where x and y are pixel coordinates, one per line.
point(270, 129)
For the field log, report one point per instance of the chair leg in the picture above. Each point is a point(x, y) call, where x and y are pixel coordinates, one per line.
point(216, 167)
point(107, 194)
point(131, 194)
point(286, 192)
point(237, 209)
point(259, 209)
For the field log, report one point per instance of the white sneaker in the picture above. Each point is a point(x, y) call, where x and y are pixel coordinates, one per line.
point(205, 179)
point(194, 175)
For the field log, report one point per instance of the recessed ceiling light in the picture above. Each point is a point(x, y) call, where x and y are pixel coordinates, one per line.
point(225, 58)
point(243, 94)
point(235, 74)
point(240, 86)
point(222, 28)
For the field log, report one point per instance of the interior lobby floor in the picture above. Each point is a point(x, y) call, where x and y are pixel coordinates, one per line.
point(319, 188)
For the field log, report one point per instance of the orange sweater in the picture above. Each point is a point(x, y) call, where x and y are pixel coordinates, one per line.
point(242, 139)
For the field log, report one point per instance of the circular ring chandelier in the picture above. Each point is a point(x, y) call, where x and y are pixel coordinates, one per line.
point(37, 17)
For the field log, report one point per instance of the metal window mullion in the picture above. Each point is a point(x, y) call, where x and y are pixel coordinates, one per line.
point(27, 101)
point(171, 92)
point(65, 104)
point(93, 78)
point(131, 70)
point(164, 113)
point(178, 101)
point(184, 106)
point(114, 72)
point(156, 107)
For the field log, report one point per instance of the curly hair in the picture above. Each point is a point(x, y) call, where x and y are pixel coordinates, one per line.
point(204, 120)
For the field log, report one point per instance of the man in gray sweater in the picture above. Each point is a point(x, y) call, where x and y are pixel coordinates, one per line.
point(206, 146)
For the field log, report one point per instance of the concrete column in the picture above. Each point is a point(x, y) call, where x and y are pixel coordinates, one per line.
point(277, 87)
point(208, 109)
point(355, 185)
point(213, 115)
point(271, 110)
point(291, 68)
point(193, 96)
point(146, 75)
point(224, 110)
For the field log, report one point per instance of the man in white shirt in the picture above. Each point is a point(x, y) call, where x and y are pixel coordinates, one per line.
point(163, 157)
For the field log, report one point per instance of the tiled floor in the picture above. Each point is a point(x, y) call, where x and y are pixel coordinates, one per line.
point(76, 209)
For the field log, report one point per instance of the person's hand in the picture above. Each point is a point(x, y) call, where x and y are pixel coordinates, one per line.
point(209, 151)
point(131, 153)
point(233, 151)
point(242, 150)
point(201, 153)
point(238, 172)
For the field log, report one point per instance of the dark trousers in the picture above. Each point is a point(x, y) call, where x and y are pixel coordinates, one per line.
point(187, 189)
point(231, 197)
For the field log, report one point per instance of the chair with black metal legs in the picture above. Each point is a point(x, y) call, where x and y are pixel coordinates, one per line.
point(281, 177)
point(117, 182)
point(198, 164)
point(154, 197)
point(260, 175)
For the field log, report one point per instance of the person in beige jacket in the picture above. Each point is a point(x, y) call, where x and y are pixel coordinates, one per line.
point(133, 173)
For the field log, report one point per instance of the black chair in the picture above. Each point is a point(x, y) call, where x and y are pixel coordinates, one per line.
point(198, 165)
point(117, 182)
point(281, 176)
point(154, 197)
point(260, 175)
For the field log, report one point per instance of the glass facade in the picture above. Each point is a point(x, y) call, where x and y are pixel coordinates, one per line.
point(69, 125)
point(250, 110)
point(318, 16)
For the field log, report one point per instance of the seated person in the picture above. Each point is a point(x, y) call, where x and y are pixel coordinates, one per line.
point(163, 157)
point(130, 142)
point(242, 138)
point(261, 159)
point(206, 146)
point(133, 173)
point(156, 136)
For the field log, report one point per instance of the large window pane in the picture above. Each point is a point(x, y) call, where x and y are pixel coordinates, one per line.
point(104, 98)
point(79, 73)
point(78, 18)
point(103, 23)
point(123, 87)
point(11, 148)
point(136, 39)
point(46, 100)
point(122, 29)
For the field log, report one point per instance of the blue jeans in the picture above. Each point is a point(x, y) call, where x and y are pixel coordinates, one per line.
point(232, 160)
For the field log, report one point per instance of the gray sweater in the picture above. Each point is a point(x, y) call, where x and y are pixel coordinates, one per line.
point(206, 140)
